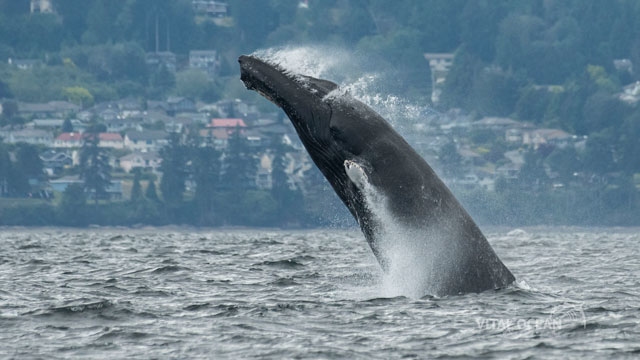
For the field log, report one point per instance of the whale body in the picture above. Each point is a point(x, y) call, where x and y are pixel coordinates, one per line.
point(371, 167)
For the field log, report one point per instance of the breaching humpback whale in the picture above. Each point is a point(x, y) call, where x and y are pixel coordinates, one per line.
point(359, 152)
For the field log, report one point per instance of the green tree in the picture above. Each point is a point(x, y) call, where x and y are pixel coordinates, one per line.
point(67, 126)
point(533, 173)
point(79, 96)
point(598, 154)
point(162, 81)
point(151, 192)
point(458, 85)
point(136, 189)
point(5, 169)
point(94, 167)
point(495, 92)
point(239, 165)
point(73, 206)
point(290, 199)
point(29, 162)
point(173, 168)
point(5, 92)
point(206, 173)
point(194, 84)
point(564, 162)
point(9, 109)
point(450, 160)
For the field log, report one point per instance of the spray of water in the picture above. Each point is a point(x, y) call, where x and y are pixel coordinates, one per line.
point(411, 267)
point(359, 76)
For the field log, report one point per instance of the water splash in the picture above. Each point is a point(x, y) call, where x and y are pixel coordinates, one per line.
point(407, 254)
point(358, 76)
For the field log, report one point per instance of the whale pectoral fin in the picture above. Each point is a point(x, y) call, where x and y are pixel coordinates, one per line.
point(356, 173)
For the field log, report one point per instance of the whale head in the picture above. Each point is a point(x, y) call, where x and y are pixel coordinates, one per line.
point(333, 129)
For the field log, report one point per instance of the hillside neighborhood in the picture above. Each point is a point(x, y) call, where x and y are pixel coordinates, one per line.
point(106, 103)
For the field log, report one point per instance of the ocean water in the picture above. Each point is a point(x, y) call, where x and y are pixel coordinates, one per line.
point(183, 293)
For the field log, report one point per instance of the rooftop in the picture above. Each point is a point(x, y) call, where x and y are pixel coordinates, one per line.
point(232, 122)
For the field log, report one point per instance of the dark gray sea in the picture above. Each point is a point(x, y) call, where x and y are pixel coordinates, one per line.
point(181, 293)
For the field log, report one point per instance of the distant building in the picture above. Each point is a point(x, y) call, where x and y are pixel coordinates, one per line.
point(76, 139)
point(210, 8)
point(57, 109)
point(69, 140)
point(110, 140)
point(30, 136)
point(538, 137)
point(114, 190)
point(440, 64)
point(145, 160)
point(54, 161)
point(156, 60)
point(48, 123)
point(118, 125)
point(176, 104)
point(623, 65)
point(219, 137)
point(150, 140)
point(205, 60)
point(41, 6)
point(630, 93)
point(25, 64)
point(230, 123)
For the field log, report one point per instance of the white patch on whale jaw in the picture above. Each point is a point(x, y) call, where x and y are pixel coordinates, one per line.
point(356, 174)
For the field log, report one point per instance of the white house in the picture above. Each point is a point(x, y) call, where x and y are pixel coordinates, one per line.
point(30, 136)
point(146, 160)
point(149, 140)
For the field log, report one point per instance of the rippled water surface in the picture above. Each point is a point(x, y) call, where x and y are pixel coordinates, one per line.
point(275, 294)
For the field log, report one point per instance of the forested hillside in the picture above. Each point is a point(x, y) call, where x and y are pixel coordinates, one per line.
point(571, 65)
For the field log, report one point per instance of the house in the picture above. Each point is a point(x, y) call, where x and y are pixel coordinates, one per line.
point(62, 183)
point(114, 190)
point(29, 136)
point(57, 109)
point(146, 160)
point(219, 137)
point(508, 171)
point(235, 108)
point(630, 93)
point(210, 8)
point(205, 60)
point(498, 124)
point(110, 140)
point(440, 64)
point(177, 124)
point(176, 104)
point(513, 136)
point(156, 60)
point(264, 180)
point(76, 139)
point(119, 125)
point(157, 106)
point(538, 137)
point(41, 6)
point(149, 140)
point(54, 161)
point(255, 139)
point(69, 140)
point(26, 64)
point(228, 124)
point(48, 123)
